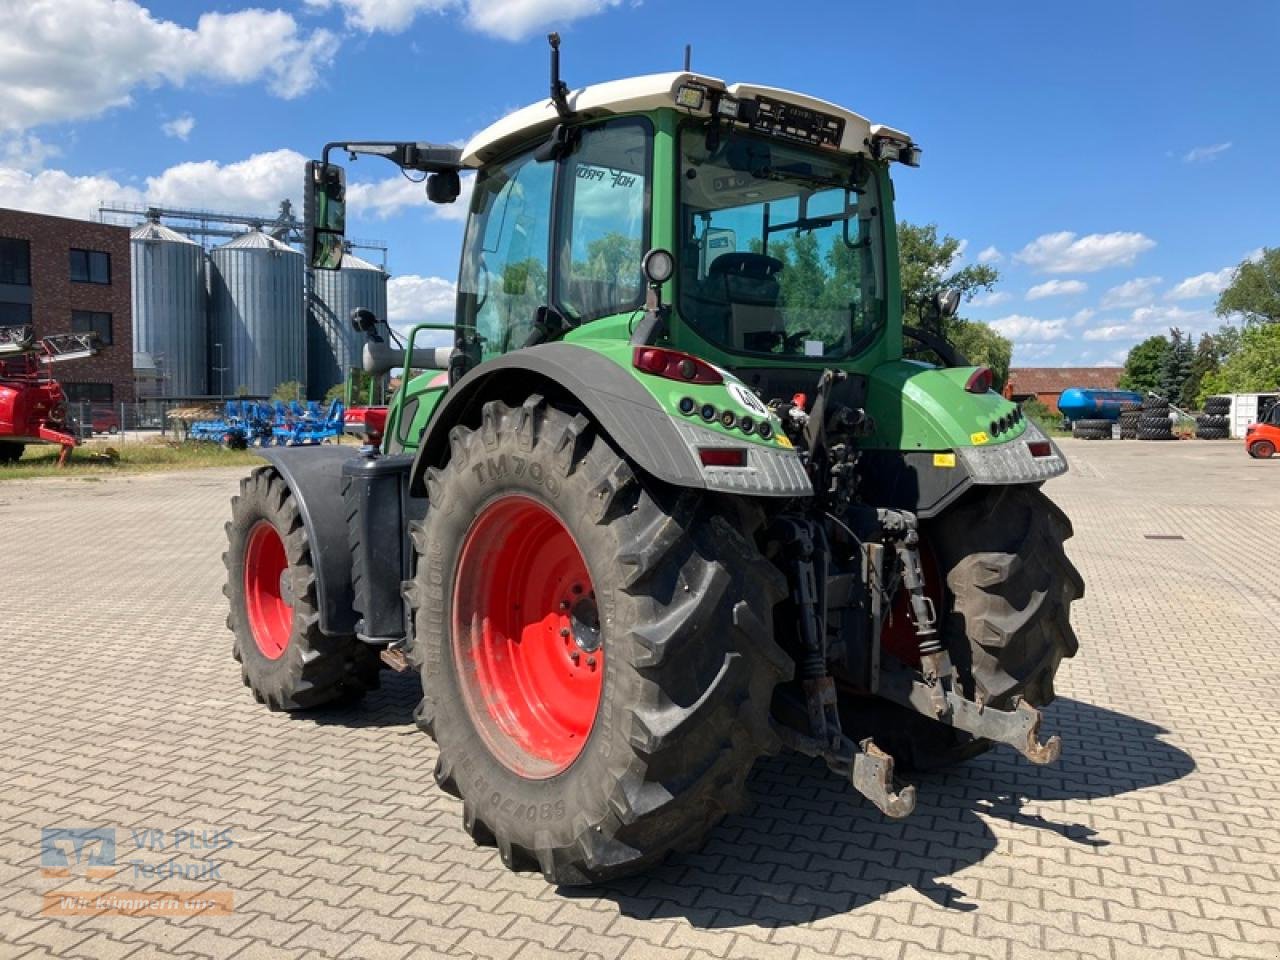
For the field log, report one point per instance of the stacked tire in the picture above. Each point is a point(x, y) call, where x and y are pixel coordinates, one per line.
point(1130, 413)
point(1214, 423)
point(1091, 430)
point(1153, 420)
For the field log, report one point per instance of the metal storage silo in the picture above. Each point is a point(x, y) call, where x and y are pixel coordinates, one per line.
point(333, 346)
point(255, 291)
point(170, 313)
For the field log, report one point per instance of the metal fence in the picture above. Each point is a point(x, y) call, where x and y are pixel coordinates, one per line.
point(141, 420)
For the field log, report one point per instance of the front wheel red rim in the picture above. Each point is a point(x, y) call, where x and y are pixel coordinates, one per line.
point(268, 611)
point(527, 637)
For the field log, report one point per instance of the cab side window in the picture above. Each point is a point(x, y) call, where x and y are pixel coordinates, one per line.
point(604, 216)
point(504, 270)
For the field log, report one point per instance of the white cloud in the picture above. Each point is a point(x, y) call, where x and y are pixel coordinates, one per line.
point(60, 194)
point(179, 127)
point(1020, 328)
point(256, 184)
point(1131, 293)
point(1065, 252)
point(29, 152)
point(958, 257)
point(1206, 153)
point(414, 299)
point(66, 59)
point(990, 255)
point(991, 299)
point(1202, 285)
point(1056, 288)
point(1117, 331)
point(507, 19)
point(1151, 319)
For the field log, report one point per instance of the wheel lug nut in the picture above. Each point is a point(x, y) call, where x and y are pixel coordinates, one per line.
point(575, 656)
point(564, 631)
point(591, 661)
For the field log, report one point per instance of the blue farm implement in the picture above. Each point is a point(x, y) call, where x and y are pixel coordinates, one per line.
point(249, 423)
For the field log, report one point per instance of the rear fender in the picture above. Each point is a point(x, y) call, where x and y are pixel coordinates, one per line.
point(314, 477)
point(622, 408)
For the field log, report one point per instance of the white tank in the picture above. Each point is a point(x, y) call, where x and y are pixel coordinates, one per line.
point(170, 309)
point(333, 346)
point(255, 299)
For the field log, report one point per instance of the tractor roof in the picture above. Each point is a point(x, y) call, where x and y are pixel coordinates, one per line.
point(651, 92)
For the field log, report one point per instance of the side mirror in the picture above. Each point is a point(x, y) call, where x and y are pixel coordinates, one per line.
point(946, 303)
point(444, 186)
point(326, 214)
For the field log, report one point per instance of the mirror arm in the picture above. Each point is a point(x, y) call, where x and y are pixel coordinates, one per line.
point(423, 157)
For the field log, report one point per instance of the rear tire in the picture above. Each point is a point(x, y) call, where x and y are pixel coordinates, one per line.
point(684, 603)
point(1007, 621)
point(1262, 450)
point(285, 659)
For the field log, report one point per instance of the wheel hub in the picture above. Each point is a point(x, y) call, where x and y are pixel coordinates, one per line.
point(526, 637)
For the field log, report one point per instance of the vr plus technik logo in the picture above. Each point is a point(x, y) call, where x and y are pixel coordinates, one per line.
point(84, 851)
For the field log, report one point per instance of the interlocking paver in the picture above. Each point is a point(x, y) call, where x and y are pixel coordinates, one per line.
point(1158, 835)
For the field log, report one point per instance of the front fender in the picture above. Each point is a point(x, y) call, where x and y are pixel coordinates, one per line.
point(314, 477)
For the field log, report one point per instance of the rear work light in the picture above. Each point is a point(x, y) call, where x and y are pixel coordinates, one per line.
point(723, 456)
point(674, 365)
point(980, 380)
point(1040, 448)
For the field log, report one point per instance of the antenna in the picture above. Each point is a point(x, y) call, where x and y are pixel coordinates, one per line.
point(559, 90)
point(688, 57)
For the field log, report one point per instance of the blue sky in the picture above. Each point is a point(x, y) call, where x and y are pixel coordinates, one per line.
point(1113, 160)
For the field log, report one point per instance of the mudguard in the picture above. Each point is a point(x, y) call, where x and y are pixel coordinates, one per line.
point(314, 477)
point(624, 410)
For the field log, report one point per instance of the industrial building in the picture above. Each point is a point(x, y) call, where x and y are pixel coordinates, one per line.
point(72, 276)
point(188, 305)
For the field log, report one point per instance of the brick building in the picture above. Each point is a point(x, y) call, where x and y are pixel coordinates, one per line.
point(1047, 383)
point(61, 276)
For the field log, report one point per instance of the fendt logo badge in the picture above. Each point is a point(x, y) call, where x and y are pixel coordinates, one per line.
point(748, 399)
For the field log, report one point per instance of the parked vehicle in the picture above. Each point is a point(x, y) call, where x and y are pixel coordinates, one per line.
point(1263, 439)
point(33, 406)
point(652, 517)
point(105, 420)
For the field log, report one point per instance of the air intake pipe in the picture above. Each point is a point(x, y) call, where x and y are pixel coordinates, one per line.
point(382, 357)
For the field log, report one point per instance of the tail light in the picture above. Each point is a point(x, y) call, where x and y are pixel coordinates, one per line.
point(674, 365)
point(1040, 448)
point(723, 456)
point(980, 380)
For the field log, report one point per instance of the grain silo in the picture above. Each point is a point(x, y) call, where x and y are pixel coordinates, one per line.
point(255, 290)
point(170, 315)
point(333, 346)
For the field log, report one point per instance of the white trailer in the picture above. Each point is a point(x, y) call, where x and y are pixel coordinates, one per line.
point(1247, 408)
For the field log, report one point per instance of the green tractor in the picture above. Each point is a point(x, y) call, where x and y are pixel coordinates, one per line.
point(671, 499)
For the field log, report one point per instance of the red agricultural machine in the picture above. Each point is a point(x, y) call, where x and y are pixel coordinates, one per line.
point(33, 407)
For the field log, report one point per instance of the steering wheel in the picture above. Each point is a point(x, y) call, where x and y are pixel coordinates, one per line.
point(946, 351)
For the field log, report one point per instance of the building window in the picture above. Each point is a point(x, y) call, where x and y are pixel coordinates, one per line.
point(88, 392)
point(15, 262)
point(15, 314)
point(90, 266)
point(92, 321)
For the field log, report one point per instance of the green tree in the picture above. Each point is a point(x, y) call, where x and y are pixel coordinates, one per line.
point(982, 345)
point(1144, 366)
point(1177, 367)
point(1203, 365)
point(925, 261)
point(1254, 290)
point(1254, 367)
point(288, 391)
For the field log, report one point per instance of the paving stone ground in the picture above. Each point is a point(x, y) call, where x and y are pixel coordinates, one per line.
point(1157, 836)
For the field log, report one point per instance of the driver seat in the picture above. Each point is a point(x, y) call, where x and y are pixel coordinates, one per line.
point(750, 286)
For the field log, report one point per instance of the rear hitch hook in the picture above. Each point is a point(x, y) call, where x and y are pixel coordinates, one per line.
point(872, 776)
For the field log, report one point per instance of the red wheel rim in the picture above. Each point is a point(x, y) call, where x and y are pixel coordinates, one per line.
point(526, 637)
point(1264, 449)
point(269, 612)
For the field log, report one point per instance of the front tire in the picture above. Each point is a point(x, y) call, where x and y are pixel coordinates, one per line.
point(285, 659)
point(587, 772)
